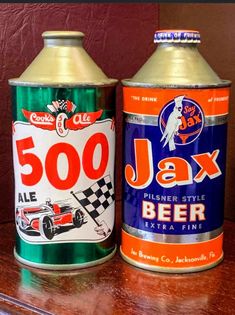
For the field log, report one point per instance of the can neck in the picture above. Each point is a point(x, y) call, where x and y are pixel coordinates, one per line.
point(63, 62)
point(69, 42)
point(178, 45)
point(176, 64)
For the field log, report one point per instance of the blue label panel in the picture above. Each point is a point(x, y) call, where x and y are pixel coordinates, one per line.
point(209, 192)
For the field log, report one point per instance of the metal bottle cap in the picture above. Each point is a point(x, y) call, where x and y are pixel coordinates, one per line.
point(177, 36)
point(63, 62)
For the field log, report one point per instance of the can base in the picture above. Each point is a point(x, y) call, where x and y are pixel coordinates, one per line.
point(64, 266)
point(170, 270)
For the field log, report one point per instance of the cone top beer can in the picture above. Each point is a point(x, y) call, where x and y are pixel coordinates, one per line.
point(176, 110)
point(63, 151)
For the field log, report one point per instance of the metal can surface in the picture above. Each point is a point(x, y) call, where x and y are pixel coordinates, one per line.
point(63, 152)
point(175, 110)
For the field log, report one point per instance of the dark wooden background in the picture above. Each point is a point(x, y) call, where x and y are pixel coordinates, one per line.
point(119, 37)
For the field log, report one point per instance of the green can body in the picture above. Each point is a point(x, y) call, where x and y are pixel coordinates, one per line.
point(63, 151)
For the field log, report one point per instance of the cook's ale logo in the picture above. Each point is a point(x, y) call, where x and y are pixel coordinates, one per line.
point(62, 117)
point(181, 122)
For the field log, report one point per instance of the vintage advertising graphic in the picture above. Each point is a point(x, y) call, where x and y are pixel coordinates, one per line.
point(64, 161)
point(174, 162)
point(181, 122)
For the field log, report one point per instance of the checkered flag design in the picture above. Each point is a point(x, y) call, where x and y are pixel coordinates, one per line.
point(97, 198)
point(62, 104)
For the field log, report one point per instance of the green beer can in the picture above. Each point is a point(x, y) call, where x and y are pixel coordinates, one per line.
point(63, 152)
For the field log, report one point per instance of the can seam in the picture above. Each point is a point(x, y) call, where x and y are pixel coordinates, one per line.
point(14, 82)
point(128, 83)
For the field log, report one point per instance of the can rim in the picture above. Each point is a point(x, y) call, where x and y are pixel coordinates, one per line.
point(130, 83)
point(17, 82)
point(65, 266)
point(62, 34)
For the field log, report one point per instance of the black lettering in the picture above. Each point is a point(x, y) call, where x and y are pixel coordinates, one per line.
point(32, 196)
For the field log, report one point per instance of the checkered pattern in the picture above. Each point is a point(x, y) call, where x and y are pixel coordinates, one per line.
point(61, 106)
point(130, 196)
point(97, 198)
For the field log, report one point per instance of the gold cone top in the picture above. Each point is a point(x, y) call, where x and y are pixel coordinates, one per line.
point(176, 65)
point(63, 62)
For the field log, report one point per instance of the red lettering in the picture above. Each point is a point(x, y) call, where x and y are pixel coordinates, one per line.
point(51, 166)
point(30, 159)
point(143, 175)
point(174, 171)
point(88, 156)
point(208, 165)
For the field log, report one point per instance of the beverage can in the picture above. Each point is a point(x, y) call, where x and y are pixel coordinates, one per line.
point(63, 151)
point(175, 131)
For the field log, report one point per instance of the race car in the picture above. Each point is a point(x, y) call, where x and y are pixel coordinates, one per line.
point(47, 218)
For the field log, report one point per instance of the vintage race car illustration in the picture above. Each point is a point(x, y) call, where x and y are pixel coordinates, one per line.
point(48, 218)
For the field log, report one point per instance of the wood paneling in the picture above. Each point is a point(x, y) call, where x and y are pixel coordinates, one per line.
point(216, 23)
